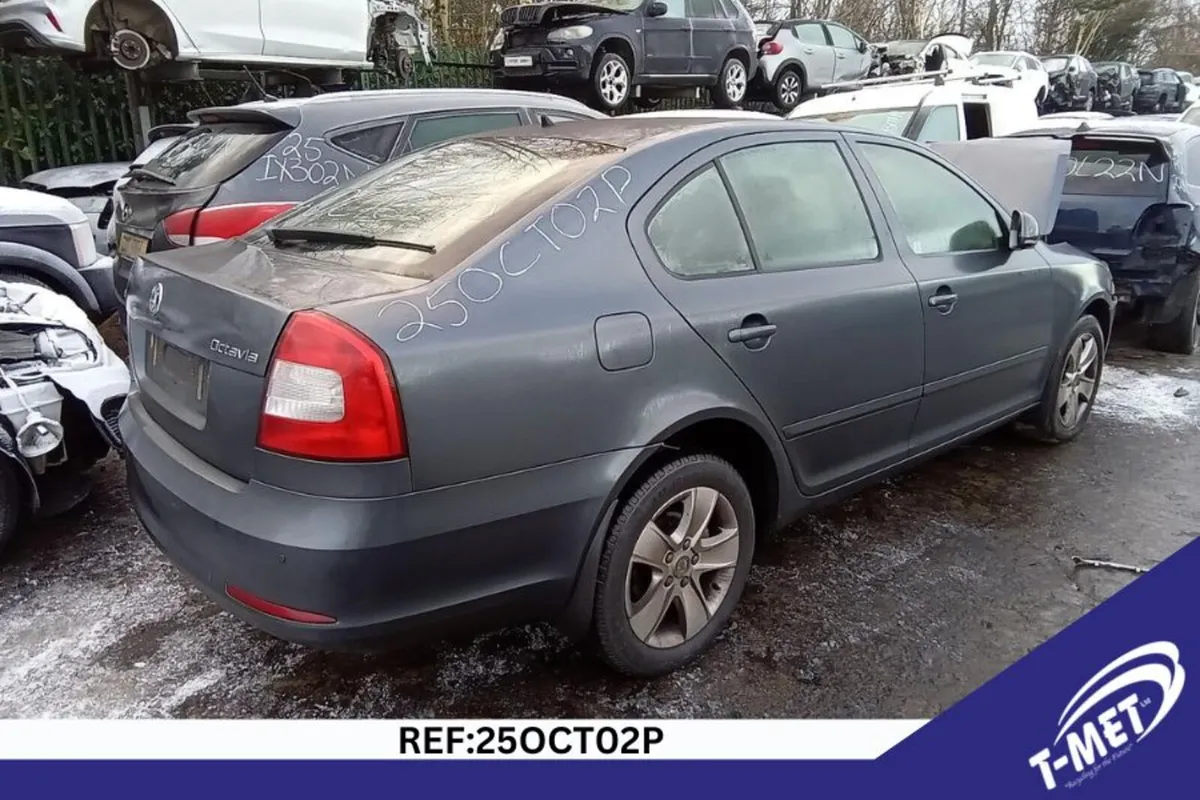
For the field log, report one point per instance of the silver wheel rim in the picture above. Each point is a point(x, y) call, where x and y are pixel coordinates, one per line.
point(1078, 385)
point(614, 82)
point(735, 81)
point(682, 565)
point(789, 89)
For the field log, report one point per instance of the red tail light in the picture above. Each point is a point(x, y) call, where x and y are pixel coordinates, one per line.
point(204, 226)
point(771, 48)
point(330, 395)
point(275, 610)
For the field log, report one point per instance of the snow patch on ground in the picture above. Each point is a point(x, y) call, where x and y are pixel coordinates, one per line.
point(1134, 397)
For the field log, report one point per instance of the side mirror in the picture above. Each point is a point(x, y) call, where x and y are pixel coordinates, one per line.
point(1022, 231)
point(862, 46)
point(657, 9)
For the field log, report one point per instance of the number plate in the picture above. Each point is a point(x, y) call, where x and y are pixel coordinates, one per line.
point(131, 246)
point(518, 61)
point(182, 376)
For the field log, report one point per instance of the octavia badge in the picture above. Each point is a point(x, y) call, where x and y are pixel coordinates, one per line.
point(156, 298)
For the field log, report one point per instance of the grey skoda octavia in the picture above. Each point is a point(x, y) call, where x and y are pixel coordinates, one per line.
point(575, 374)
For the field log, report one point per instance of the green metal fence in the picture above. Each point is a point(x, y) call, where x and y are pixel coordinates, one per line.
point(53, 114)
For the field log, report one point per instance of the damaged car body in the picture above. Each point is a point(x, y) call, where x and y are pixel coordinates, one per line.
point(1130, 199)
point(611, 51)
point(1073, 83)
point(61, 389)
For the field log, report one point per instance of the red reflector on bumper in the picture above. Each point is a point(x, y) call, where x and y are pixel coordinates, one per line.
point(275, 610)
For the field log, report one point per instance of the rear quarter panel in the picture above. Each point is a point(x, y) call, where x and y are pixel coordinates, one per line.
point(498, 362)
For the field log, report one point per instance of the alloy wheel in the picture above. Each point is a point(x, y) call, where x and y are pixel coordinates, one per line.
point(789, 89)
point(1077, 387)
point(614, 83)
point(735, 81)
point(682, 566)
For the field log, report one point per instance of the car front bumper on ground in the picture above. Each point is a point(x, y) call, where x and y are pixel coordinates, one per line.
point(31, 24)
point(390, 569)
point(552, 64)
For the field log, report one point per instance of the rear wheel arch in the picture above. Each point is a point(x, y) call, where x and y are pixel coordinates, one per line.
point(729, 433)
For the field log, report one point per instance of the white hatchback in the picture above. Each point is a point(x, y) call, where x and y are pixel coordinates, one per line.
point(290, 33)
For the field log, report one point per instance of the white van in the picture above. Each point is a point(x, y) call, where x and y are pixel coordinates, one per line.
point(937, 109)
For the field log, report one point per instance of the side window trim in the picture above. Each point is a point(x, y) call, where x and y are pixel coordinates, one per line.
point(643, 210)
point(402, 143)
point(894, 225)
point(400, 119)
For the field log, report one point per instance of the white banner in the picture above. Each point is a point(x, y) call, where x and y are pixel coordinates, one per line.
point(451, 739)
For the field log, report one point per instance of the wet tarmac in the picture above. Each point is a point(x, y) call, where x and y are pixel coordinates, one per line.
point(896, 603)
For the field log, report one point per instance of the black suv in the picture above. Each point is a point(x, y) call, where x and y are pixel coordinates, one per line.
point(611, 50)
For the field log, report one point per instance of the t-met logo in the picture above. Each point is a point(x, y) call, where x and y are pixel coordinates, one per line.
point(1112, 712)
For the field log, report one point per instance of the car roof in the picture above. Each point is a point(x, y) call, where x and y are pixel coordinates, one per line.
point(354, 106)
point(635, 131)
point(707, 113)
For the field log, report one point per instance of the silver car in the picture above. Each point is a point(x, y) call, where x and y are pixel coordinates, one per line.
point(797, 57)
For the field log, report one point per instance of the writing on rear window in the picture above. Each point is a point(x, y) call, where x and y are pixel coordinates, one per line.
point(1118, 168)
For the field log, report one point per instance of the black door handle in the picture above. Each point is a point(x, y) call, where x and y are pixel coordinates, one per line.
point(943, 300)
point(753, 328)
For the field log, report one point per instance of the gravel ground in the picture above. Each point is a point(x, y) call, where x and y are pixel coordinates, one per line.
point(896, 603)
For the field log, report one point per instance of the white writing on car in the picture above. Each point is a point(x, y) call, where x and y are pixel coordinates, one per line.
point(303, 160)
point(550, 233)
point(1115, 169)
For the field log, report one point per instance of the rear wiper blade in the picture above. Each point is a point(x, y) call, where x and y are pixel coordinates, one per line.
point(328, 236)
point(142, 172)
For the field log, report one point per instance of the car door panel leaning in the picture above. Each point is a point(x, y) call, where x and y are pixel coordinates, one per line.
point(557, 430)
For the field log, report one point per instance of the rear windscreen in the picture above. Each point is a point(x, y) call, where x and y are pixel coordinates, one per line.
point(211, 154)
point(444, 196)
point(1129, 168)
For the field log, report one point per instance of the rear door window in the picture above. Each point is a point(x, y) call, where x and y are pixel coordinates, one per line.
point(427, 131)
point(1121, 168)
point(211, 154)
point(792, 226)
point(374, 143)
point(810, 33)
point(704, 9)
point(696, 232)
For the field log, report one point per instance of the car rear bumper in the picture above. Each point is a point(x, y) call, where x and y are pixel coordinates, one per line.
point(428, 564)
point(548, 65)
point(1154, 296)
point(27, 25)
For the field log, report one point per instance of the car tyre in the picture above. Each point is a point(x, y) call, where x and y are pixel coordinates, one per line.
point(674, 566)
point(732, 84)
point(1073, 383)
point(788, 89)
point(1182, 334)
point(612, 82)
